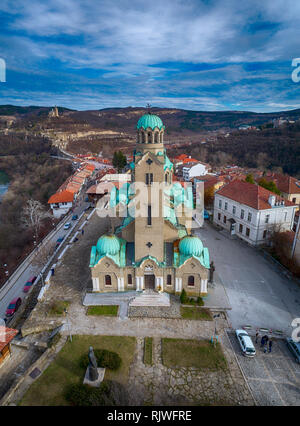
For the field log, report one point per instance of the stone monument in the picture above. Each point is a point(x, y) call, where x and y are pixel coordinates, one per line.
point(94, 375)
point(211, 272)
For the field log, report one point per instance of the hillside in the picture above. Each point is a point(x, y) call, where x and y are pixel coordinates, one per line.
point(105, 130)
point(267, 149)
point(177, 121)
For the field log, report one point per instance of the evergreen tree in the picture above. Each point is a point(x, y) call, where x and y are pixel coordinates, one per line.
point(270, 185)
point(249, 178)
point(119, 160)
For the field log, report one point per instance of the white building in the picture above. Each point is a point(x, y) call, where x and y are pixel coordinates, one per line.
point(251, 212)
point(61, 203)
point(188, 172)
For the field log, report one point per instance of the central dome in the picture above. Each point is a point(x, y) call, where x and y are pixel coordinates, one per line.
point(108, 244)
point(150, 120)
point(191, 246)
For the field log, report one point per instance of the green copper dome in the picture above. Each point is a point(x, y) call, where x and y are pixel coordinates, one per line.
point(108, 244)
point(191, 246)
point(150, 120)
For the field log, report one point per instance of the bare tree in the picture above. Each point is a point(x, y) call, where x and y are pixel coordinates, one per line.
point(33, 215)
point(43, 254)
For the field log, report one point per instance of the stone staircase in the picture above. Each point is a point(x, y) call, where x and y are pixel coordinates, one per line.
point(151, 298)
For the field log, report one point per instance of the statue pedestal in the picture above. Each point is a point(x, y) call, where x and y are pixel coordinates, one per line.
point(95, 383)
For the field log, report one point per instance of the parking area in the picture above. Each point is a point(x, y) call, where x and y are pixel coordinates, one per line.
point(258, 293)
point(274, 378)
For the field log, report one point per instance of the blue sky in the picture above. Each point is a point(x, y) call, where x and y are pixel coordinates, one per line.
point(192, 54)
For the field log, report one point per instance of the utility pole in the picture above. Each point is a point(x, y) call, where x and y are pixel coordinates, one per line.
point(215, 338)
point(69, 326)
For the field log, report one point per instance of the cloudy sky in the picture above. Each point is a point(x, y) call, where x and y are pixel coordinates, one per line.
point(192, 54)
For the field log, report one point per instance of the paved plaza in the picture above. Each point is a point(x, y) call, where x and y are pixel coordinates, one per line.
point(258, 293)
point(274, 378)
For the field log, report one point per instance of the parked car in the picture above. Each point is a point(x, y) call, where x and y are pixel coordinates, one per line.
point(67, 225)
point(29, 284)
point(245, 343)
point(58, 242)
point(75, 217)
point(13, 306)
point(294, 347)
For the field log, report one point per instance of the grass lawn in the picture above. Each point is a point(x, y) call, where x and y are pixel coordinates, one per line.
point(65, 369)
point(108, 310)
point(192, 353)
point(148, 350)
point(194, 313)
point(58, 307)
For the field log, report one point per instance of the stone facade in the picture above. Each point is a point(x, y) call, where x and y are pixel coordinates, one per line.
point(145, 251)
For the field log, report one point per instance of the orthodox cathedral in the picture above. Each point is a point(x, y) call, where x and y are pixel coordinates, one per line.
point(150, 246)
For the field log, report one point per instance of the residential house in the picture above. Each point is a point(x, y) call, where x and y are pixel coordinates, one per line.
point(287, 185)
point(61, 203)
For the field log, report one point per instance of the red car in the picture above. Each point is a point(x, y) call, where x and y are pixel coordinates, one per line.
point(13, 306)
point(28, 284)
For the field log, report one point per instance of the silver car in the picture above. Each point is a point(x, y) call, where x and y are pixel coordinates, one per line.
point(245, 343)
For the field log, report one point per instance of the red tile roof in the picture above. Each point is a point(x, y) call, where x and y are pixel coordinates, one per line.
point(250, 194)
point(6, 336)
point(61, 197)
point(284, 183)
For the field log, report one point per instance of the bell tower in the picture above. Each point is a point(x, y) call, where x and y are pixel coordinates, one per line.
point(150, 134)
point(149, 174)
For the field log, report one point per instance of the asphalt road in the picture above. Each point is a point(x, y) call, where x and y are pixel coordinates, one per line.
point(259, 294)
point(32, 269)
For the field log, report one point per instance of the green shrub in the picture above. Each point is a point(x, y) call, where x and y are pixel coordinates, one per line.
point(183, 296)
point(105, 359)
point(108, 393)
point(200, 301)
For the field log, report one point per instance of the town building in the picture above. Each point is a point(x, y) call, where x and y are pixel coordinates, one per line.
point(62, 201)
point(252, 212)
point(151, 248)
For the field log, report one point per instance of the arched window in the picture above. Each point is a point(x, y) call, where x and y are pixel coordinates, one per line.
point(169, 279)
point(129, 279)
point(143, 137)
point(107, 280)
point(156, 137)
point(191, 280)
point(149, 138)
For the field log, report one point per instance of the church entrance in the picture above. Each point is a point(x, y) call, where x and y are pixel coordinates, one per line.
point(149, 282)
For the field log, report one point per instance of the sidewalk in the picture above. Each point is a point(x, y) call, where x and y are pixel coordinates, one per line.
point(217, 297)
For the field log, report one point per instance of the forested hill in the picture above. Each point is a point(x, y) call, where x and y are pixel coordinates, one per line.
point(177, 121)
point(268, 148)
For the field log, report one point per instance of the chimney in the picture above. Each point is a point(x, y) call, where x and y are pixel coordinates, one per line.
point(272, 200)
